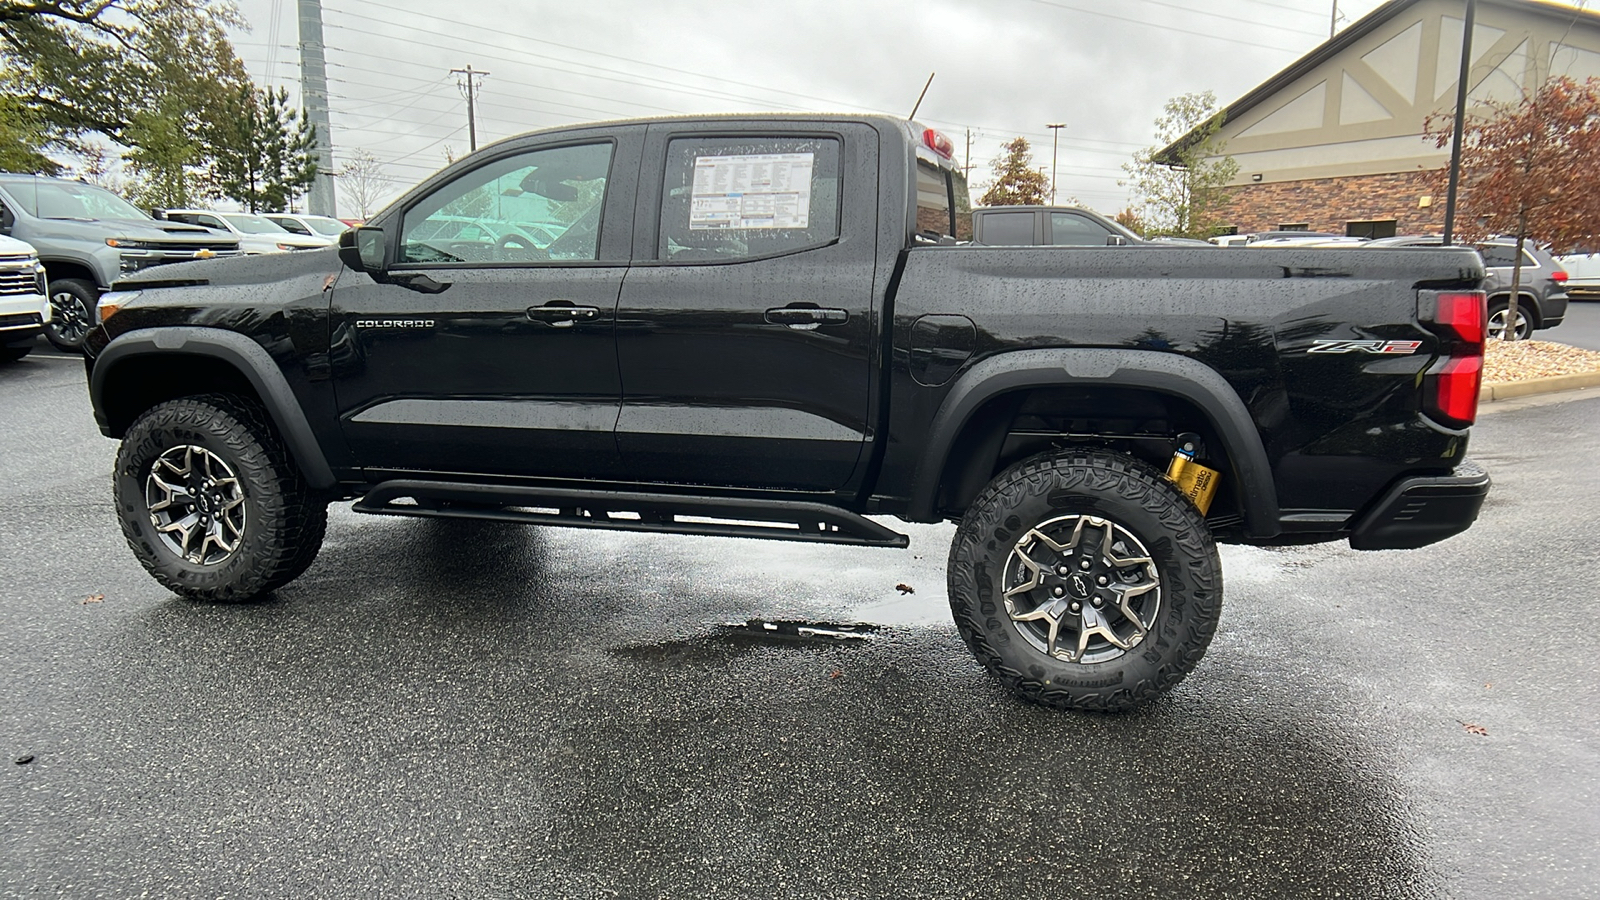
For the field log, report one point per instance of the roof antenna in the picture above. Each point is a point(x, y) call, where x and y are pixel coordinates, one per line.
point(921, 95)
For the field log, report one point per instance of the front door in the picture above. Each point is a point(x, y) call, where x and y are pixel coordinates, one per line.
point(488, 348)
point(745, 330)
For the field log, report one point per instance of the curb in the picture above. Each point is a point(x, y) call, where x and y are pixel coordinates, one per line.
point(1505, 390)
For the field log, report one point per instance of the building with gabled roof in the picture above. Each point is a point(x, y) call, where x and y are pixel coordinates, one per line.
point(1335, 141)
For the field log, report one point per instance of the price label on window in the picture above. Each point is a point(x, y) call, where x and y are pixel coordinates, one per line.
point(766, 190)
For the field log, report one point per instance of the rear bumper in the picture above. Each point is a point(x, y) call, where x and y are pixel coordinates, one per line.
point(1553, 310)
point(1419, 511)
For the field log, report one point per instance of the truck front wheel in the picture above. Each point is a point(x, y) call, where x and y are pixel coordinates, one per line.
point(211, 503)
point(1085, 580)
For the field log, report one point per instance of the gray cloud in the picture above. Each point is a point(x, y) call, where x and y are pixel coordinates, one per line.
point(1005, 67)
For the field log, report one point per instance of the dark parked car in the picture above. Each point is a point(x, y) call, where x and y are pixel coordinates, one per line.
point(1542, 295)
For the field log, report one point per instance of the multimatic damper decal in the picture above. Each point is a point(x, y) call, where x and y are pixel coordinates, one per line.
point(1385, 347)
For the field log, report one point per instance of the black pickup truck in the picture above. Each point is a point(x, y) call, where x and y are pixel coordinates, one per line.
point(767, 327)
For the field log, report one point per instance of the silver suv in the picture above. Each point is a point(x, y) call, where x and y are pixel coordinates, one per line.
point(1542, 295)
point(88, 237)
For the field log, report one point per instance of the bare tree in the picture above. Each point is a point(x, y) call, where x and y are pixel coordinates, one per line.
point(364, 181)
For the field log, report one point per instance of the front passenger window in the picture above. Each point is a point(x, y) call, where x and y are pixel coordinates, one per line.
point(1068, 229)
point(540, 206)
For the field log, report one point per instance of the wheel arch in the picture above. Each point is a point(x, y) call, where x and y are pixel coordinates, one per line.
point(139, 369)
point(971, 423)
point(62, 269)
point(1527, 301)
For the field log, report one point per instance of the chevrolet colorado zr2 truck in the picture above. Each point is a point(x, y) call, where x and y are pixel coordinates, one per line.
point(766, 326)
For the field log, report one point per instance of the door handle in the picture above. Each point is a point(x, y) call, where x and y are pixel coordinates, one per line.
point(562, 314)
point(806, 318)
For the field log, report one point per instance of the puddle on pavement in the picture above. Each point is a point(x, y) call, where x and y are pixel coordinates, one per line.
point(737, 638)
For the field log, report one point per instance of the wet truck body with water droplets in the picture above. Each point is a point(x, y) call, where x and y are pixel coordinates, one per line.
point(771, 326)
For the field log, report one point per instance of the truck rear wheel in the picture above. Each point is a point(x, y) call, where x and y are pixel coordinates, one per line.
point(1085, 580)
point(211, 503)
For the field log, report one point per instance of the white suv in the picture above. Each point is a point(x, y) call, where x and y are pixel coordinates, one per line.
point(24, 307)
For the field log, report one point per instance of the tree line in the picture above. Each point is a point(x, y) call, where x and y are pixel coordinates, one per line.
point(158, 79)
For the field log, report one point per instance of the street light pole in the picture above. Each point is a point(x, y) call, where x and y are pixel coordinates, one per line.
point(1055, 141)
point(1460, 122)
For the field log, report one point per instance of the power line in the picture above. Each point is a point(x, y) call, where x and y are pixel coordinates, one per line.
point(1149, 24)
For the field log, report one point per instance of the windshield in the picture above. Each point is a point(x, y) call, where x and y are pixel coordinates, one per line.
point(322, 225)
point(49, 199)
point(249, 224)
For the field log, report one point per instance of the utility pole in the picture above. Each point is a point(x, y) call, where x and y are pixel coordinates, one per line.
point(1333, 20)
point(323, 201)
point(1055, 142)
point(468, 85)
point(967, 169)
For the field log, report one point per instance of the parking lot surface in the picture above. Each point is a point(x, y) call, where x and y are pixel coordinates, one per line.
point(444, 709)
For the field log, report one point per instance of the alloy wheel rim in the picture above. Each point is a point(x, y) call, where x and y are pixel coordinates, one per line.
point(1082, 589)
point(69, 316)
point(1497, 324)
point(196, 504)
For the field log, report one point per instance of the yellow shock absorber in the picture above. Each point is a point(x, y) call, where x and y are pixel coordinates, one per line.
point(1198, 482)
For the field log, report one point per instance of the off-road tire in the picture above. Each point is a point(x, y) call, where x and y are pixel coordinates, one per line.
point(284, 521)
point(72, 305)
point(1118, 489)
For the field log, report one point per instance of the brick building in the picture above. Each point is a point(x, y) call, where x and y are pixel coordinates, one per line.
point(1335, 141)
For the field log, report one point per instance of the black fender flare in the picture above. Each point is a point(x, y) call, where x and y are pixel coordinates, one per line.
point(245, 355)
point(1166, 373)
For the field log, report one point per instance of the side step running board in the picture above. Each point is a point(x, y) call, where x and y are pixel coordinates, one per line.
point(784, 520)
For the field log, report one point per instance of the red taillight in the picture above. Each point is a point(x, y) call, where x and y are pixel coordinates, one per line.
point(938, 143)
point(1463, 314)
point(1452, 385)
point(1558, 276)
point(1459, 382)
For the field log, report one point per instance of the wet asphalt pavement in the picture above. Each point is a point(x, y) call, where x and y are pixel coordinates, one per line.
point(455, 710)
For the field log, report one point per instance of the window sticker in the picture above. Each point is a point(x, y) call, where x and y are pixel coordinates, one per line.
point(766, 190)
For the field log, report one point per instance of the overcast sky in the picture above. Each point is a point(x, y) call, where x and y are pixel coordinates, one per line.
point(1005, 67)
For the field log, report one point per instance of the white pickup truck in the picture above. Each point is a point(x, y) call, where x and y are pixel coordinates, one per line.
point(23, 306)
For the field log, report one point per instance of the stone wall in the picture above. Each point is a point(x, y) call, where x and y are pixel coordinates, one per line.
point(1327, 204)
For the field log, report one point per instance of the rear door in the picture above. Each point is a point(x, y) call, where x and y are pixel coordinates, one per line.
point(744, 332)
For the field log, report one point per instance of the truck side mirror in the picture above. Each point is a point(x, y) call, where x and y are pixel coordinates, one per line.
point(362, 248)
point(7, 220)
point(1116, 240)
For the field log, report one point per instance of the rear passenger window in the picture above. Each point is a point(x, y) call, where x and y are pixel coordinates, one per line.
point(739, 198)
point(1503, 256)
point(1009, 229)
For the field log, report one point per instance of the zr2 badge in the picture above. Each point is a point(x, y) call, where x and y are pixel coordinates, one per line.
point(1385, 347)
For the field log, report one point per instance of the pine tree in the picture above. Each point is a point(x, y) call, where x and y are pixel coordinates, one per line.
point(262, 151)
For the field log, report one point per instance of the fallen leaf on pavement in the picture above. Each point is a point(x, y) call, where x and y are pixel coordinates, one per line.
point(1478, 730)
point(835, 673)
point(25, 759)
point(905, 589)
point(94, 598)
